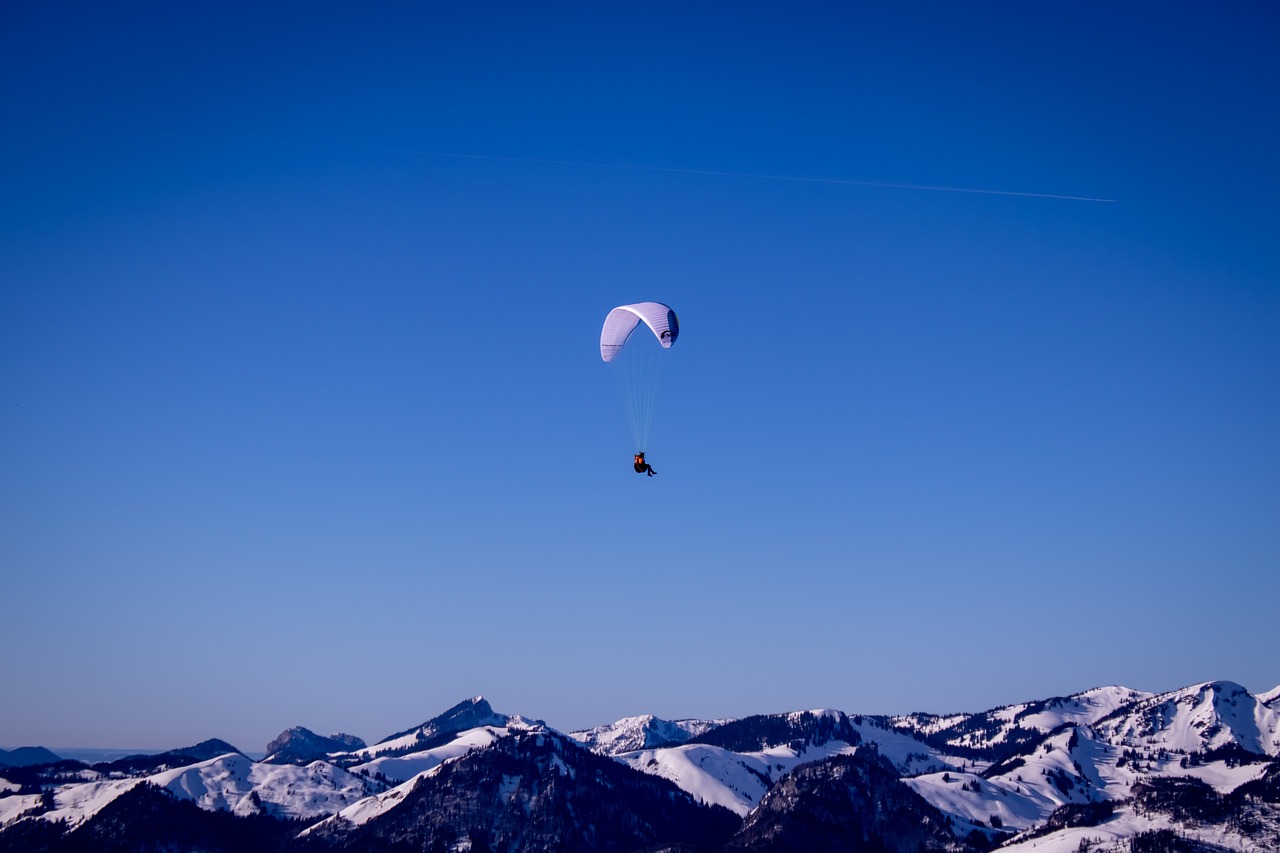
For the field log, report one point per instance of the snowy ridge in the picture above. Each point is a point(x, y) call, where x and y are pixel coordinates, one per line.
point(471, 714)
point(1114, 836)
point(1163, 736)
point(643, 732)
point(907, 751)
point(1199, 718)
point(714, 775)
point(367, 809)
point(401, 768)
point(230, 782)
point(989, 734)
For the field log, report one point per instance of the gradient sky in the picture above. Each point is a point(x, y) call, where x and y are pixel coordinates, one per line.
point(303, 421)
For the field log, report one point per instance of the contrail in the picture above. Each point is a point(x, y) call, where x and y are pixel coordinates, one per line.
point(724, 174)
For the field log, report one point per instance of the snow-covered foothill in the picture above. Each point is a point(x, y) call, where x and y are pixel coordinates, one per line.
point(77, 803)
point(1114, 834)
point(972, 798)
point(236, 784)
point(710, 774)
point(735, 780)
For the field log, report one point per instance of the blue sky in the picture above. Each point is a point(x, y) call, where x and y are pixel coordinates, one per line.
point(303, 422)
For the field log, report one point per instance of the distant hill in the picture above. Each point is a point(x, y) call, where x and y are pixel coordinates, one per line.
point(26, 756)
point(138, 765)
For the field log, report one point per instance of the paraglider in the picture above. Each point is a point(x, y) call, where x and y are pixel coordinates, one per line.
point(637, 362)
point(643, 467)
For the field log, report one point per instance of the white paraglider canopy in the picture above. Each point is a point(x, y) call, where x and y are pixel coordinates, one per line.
point(637, 362)
point(622, 321)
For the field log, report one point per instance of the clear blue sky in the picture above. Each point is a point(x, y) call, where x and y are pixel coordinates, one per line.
point(303, 422)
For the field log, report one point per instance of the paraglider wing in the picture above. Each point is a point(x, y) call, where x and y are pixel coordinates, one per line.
point(622, 321)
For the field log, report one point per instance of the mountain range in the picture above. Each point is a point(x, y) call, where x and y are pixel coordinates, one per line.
point(1107, 769)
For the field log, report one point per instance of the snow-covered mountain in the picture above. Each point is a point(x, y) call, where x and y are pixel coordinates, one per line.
point(234, 783)
point(1214, 734)
point(230, 782)
point(1200, 718)
point(1108, 765)
point(401, 767)
point(529, 790)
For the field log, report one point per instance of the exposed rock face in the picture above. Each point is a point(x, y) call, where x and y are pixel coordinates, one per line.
point(302, 746)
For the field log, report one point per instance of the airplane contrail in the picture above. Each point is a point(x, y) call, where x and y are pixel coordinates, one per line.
point(726, 174)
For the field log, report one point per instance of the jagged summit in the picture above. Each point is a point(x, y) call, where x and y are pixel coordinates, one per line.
point(467, 714)
point(300, 745)
point(470, 714)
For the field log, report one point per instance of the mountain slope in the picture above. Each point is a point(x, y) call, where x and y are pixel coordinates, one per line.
point(229, 783)
point(470, 714)
point(735, 764)
point(1196, 719)
point(845, 802)
point(234, 783)
point(146, 818)
point(991, 736)
point(529, 791)
point(400, 767)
